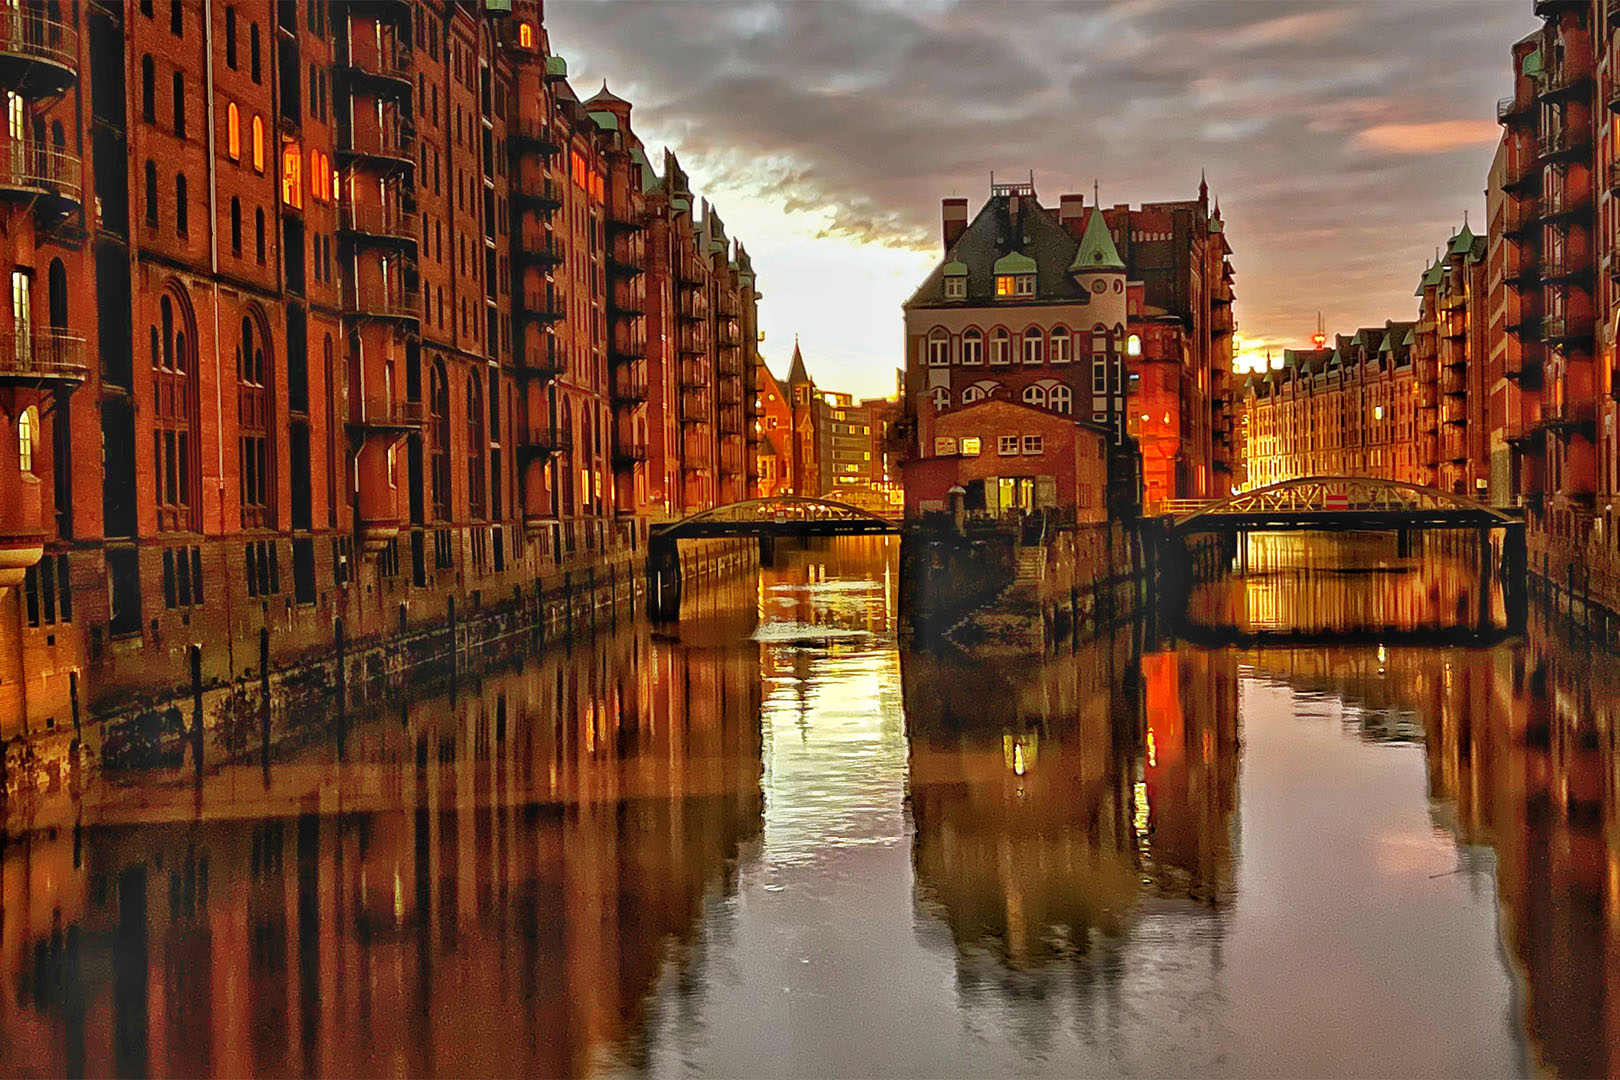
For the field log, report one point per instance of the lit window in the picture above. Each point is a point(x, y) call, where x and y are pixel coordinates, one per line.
point(27, 435)
point(526, 35)
point(233, 132)
point(258, 144)
point(1004, 285)
point(970, 446)
point(292, 168)
point(1378, 412)
point(1007, 445)
point(1133, 346)
point(1032, 444)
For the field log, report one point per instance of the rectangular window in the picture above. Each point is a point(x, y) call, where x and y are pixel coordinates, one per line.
point(955, 288)
point(970, 446)
point(1025, 285)
point(944, 446)
point(1004, 285)
point(1032, 444)
point(939, 351)
point(1007, 445)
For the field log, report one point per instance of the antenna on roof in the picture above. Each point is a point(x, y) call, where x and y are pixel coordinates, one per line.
point(1465, 219)
point(1096, 196)
point(1032, 179)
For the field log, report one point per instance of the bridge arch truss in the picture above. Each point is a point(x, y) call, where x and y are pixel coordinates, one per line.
point(1342, 502)
point(783, 515)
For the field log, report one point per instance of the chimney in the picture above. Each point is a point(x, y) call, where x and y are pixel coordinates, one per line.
point(953, 218)
point(1072, 214)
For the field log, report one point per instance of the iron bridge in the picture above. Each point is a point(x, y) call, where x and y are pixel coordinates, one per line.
point(1338, 504)
point(785, 515)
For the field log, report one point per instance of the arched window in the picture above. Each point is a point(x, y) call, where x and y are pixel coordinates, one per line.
point(258, 143)
point(1058, 351)
point(973, 393)
point(27, 438)
point(233, 132)
point(236, 225)
point(230, 38)
point(292, 176)
point(1000, 346)
point(525, 35)
point(476, 443)
point(1034, 345)
point(179, 105)
point(1060, 400)
point(181, 219)
point(56, 283)
point(439, 432)
point(941, 397)
point(174, 414)
point(1133, 346)
point(148, 91)
point(939, 347)
point(253, 426)
point(253, 51)
point(258, 234)
point(972, 346)
point(1035, 395)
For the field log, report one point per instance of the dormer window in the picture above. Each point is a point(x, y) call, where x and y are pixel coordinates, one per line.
point(955, 288)
point(1015, 285)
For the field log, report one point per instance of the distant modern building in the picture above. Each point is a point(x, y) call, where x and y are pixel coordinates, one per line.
point(1120, 317)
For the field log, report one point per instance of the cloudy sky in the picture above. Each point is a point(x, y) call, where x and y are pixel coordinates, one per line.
point(1344, 141)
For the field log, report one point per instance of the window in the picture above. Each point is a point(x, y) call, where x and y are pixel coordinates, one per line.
point(253, 51)
point(148, 91)
point(970, 445)
point(174, 396)
point(973, 347)
point(230, 38)
point(941, 397)
point(1007, 445)
point(292, 176)
point(1133, 346)
point(939, 348)
point(525, 35)
point(179, 105)
point(1059, 351)
point(1032, 444)
point(151, 193)
point(1034, 345)
point(1000, 346)
point(1060, 400)
point(236, 225)
point(175, 26)
point(439, 439)
point(233, 132)
point(253, 427)
point(48, 592)
point(258, 237)
point(1004, 285)
point(27, 437)
point(944, 446)
point(1024, 285)
point(1035, 395)
point(955, 287)
point(974, 393)
point(180, 220)
point(182, 577)
point(476, 444)
point(258, 144)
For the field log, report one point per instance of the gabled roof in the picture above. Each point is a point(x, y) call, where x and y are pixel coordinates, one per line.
point(796, 371)
point(1462, 243)
point(1033, 231)
point(1096, 250)
point(605, 96)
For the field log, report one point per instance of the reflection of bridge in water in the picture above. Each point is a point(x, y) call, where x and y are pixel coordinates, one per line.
point(1199, 541)
point(767, 519)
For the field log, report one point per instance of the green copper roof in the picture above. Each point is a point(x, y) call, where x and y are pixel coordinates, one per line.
point(955, 268)
point(1014, 262)
point(1431, 277)
point(1532, 63)
point(1388, 345)
point(1097, 250)
point(1410, 336)
point(556, 65)
point(1461, 243)
point(680, 204)
point(606, 121)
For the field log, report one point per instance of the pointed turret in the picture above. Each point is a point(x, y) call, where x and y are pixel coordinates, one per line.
point(796, 371)
point(1096, 252)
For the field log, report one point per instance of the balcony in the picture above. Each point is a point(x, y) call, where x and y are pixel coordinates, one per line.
point(548, 304)
point(1221, 320)
point(536, 135)
point(393, 227)
point(728, 336)
point(629, 302)
point(1561, 202)
point(545, 441)
point(691, 342)
point(387, 417)
point(691, 308)
point(629, 386)
point(1546, 9)
point(42, 358)
point(386, 68)
point(627, 348)
point(543, 359)
point(1519, 432)
point(627, 455)
point(1563, 266)
point(539, 247)
point(1563, 143)
point(730, 364)
point(1510, 110)
point(395, 146)
point(625, 257)
point(1573, 75)
point(542, 192)
point(1518, 217)
point(1561, 329)
point(621, 218)
point(399, 303)
point(1525, 277)
point(1455, 327)
point(1569, 416)
point(38, 54)
point(33, 170)
point(1526, 371)
point(1526, 326)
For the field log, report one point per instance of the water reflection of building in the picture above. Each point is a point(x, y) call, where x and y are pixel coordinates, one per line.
point(1046, 796)
point(1522, 757)
point(490, 887)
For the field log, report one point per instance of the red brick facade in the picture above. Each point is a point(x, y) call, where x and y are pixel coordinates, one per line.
point(366, 310)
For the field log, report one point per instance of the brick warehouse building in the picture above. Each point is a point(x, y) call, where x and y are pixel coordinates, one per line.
point(1121, 316)
point(371, 313)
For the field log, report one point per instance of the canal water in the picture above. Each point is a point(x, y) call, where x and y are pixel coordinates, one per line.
point(771, 841)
